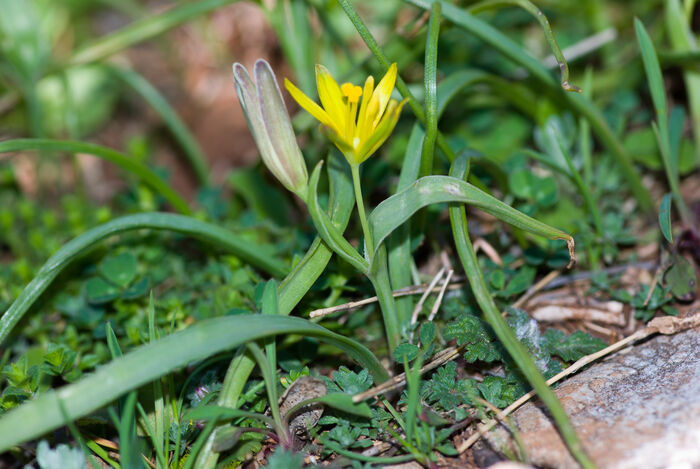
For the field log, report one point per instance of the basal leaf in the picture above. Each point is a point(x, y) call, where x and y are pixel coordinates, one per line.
point(428, 190)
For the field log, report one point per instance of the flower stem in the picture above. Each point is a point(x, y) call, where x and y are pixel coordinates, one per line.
point(369, 244)
point(379, 275)
point(382, 287)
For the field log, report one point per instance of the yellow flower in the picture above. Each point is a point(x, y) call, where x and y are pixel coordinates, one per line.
point(357, 133)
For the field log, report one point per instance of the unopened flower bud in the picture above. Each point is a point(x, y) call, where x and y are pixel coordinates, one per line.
point(269, 123)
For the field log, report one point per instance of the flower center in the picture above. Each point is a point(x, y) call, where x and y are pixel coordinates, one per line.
point(352, 92)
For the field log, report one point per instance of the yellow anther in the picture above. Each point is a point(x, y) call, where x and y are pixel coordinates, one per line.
point(352, 92)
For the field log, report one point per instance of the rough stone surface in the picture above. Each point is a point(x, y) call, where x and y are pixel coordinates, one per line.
point(640, 408)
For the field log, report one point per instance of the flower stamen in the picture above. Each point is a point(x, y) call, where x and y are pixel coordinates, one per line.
point(352, 93)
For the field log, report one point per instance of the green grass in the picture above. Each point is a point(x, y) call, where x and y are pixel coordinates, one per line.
point(175, 334)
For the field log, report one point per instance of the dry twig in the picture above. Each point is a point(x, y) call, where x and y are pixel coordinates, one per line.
point(665, 325)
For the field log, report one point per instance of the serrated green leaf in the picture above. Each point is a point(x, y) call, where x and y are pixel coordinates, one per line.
point(427, 334)
point(478, 337)
point(405, 353)
point(448, 392)
point(571, 348)
point(349, 382)
point(497, 391)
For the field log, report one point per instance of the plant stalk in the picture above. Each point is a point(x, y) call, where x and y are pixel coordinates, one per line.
point(369, 244)
point(505, 334)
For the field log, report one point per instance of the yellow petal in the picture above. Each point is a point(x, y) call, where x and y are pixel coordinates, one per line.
point(362, 120)
point(337, 140)
point(330, 95)
point(310, 106)
point(382, 131)
point(381, 95)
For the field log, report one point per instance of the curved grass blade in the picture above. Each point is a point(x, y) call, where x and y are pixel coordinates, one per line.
point(190, 147)
point(155, 359)
point(430, 79)
point(336, 400)
point(394, 211)
point(129, 165)
point(683, 42)
point(399, 244)
point(575, 101)
point(332, 237)
point(546, 29)
point(661, 127)
point(505, 334)
point(159, 221)
point(401, 86)
point(210, 412)
point(291, 290)
point(144, 29)
point(309, 269)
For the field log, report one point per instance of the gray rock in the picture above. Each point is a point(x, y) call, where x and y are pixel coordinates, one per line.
point(640, 408)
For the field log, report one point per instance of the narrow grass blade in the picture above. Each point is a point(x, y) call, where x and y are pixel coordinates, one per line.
point(291, 22)
point(505, 334)
point(128, 164)
point(653, 72)
point(661, 127)
point(271, 387)
point(539, 72)
point(159, 435)
point(144, 29)
point(337, 400)
point(401, 86)
point(77, 247)
point(430, 79)
point(129, 454)
point(665, 218)
point(211, 412)
point(153, 360)
point(190, 147)
point(683, 41)
point(544, 24)
point(341, 202)
point(399, 244)
point(291, 289)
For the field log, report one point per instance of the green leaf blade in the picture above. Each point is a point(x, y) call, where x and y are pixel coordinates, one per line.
point(665, 217)
point(156, 359)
